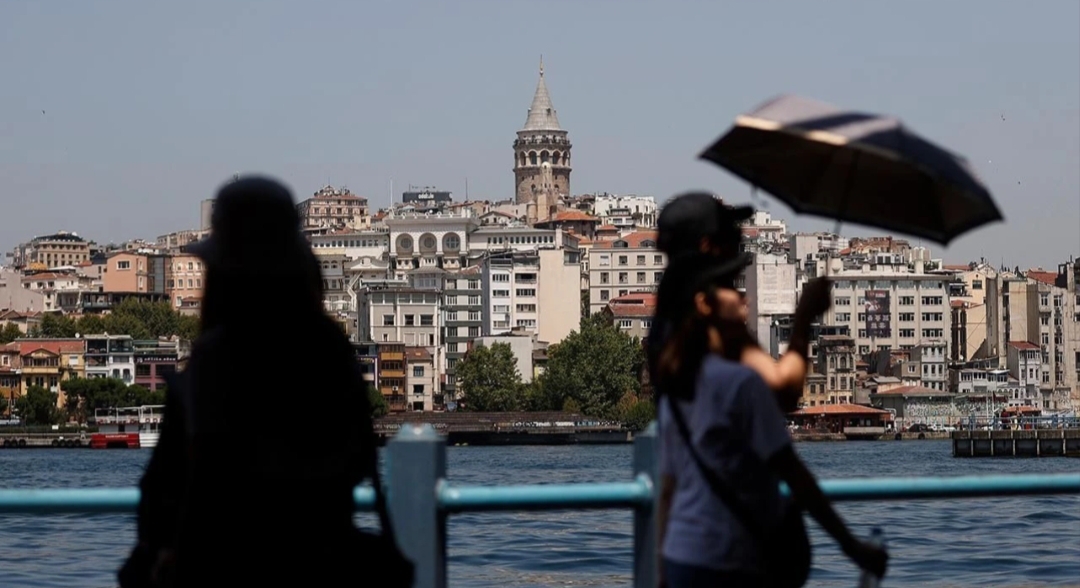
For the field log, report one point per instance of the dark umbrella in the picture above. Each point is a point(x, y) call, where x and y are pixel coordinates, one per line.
point(854, 167)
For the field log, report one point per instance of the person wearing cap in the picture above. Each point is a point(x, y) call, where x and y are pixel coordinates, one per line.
point(240, 489)
point(728, 427)
point(699, 223)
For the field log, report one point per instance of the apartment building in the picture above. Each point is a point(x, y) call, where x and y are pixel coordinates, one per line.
point(59, 289)
point(534, 291)
point(463, 320)
point(889, 306)
point(836, 362)
point(931, 360)
point(633, 313)
point(110, 356)
point(771, 287)
point(332, 209)
point(374, 243)
point(62, 249)
point(13, 296)
point(44, 363)
point(391, 374)
point(125, 272)
point(155, 359)
point(183, 281)
point(421, 380)
point(623, 266)
point(428, 241)
point(387, 314)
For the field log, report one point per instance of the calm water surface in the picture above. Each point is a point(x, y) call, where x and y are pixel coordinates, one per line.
point(986, 542)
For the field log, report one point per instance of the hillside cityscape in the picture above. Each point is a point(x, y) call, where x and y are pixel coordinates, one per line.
point(421, 284)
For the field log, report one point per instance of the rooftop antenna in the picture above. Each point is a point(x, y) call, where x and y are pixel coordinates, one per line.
point(467, 179)
point(541, 65)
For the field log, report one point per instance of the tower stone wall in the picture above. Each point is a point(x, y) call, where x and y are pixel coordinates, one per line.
point(542, 159)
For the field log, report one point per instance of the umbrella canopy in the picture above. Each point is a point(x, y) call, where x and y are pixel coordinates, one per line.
point(854, 167)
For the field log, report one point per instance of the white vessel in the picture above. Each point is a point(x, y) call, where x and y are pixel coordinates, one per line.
point(128, 426)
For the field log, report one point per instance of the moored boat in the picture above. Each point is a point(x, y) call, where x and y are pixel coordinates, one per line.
point(128, 427)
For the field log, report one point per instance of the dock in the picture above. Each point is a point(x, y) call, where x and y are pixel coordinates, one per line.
point(1033, 442)
point(43, 440)
point(510, 428)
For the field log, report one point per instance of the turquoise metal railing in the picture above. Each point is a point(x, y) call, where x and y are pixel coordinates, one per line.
point(421, 498)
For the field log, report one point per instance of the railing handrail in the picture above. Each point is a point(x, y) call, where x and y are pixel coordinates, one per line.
point(457, 498)
point(420, 498)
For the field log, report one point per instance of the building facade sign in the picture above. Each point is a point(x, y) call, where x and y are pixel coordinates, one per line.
point(878, 314)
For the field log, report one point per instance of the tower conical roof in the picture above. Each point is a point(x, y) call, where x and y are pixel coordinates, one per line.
point(541, 114)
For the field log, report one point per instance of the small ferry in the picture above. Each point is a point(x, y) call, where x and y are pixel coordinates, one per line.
point(129, 427)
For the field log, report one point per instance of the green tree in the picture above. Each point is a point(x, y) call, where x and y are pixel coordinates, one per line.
point(571, 406)
point(187, 327)
point(9, 333)
point(90, 324)
point(595, 366)
point(635, 412)
point(57, 326)
point(489, 379)
point(379, 406)
point(85, 395)
point(38, 407)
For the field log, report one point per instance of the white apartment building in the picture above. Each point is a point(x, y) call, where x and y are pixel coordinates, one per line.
point(399, 314)
point(766, 227)
point(771, 288)
point(625, 212)
point(889, 306)
point(110, 356)
point(353, 244)
point(536, 292)
point(932, 362)
point(438, 240)
point(496, 239)
point(625, 265)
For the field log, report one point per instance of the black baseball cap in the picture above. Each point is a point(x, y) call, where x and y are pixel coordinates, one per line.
point(688, 218)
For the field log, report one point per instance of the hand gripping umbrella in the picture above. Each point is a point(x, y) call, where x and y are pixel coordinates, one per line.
point(855, 167)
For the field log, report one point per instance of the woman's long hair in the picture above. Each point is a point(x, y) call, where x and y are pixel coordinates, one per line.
point(690, 339)
point(237, 296)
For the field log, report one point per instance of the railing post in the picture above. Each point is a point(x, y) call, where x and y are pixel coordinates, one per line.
point(416, 461)
point(646, 549)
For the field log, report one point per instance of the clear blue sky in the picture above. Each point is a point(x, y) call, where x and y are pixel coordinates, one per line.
point(149, 106)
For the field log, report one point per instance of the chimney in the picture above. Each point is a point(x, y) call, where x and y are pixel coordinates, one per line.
point(918, 266)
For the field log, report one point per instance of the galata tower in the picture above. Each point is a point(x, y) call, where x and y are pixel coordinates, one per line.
point(541, 158)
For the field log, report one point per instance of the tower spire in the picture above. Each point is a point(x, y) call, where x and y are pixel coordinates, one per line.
point(542, 115)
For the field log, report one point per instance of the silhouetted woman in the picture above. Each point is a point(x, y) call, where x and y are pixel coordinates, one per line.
point(270, 430)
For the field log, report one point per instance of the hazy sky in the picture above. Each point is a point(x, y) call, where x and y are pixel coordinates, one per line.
point(150, 106)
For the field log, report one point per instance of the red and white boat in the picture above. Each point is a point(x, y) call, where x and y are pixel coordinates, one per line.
point(129, 427)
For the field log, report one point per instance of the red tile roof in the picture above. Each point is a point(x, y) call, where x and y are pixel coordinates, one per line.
point(1049, 278)
point(838, 409)
point(574, 215)
point(638, 304)
point(635, 240)
point(28, 346)
point(612, 228)
point(912, 391)
point(1023, 345)
point(417, 354)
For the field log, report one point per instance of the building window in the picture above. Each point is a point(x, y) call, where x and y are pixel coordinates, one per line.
point(474, 300)
point(410, 320)
point(388, 320)
point(625, 323)
point(427, 320)
point(418, 389)
point(526, 292)
point(123, 265)
point(622, 260)
point(418, 371)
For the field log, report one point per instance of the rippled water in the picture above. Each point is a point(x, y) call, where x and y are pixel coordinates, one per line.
point(1032, 541)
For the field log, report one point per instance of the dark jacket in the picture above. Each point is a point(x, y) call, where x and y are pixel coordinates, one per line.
point(264, 439)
